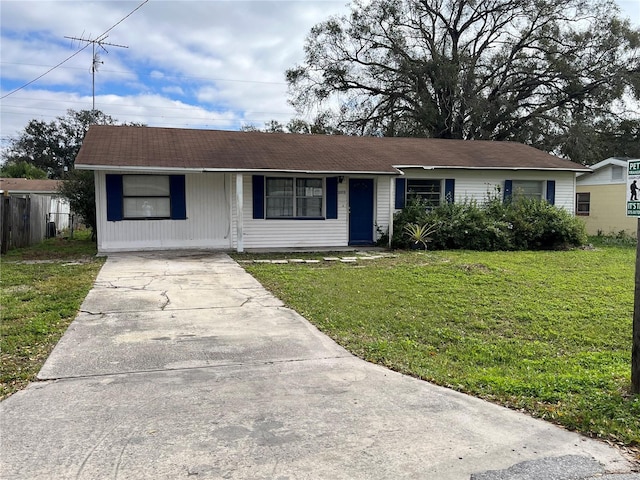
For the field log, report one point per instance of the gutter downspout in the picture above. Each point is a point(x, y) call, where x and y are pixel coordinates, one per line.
point(239, 216)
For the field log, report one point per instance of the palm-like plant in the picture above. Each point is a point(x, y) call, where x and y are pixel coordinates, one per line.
point(420, 234)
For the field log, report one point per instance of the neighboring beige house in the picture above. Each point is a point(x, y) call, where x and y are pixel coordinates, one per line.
point(601, 198)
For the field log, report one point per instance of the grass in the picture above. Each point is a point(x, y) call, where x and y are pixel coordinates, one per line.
point(546, 332)
point(41, 290)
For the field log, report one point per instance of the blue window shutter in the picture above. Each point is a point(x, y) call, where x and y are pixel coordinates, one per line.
point(332, 197)
point(178, 197)
point(400, 192)
point(258, 196)
point(114, 197)
point(508, 187)
point(551, 191)
point(449, 190)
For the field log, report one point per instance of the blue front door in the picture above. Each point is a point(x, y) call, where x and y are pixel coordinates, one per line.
point(360, 211)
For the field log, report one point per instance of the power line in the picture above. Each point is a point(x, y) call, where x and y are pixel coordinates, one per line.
point(187, 107)
point(127, 16)
point(45, 73)
point(194, 77)
point(76, 53)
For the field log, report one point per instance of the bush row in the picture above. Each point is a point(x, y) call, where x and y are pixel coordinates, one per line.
point(515, 224)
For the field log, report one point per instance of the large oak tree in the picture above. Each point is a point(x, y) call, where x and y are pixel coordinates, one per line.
point(53, 146)
point(535, 71)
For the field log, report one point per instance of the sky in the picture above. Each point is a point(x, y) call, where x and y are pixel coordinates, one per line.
point(187, 64)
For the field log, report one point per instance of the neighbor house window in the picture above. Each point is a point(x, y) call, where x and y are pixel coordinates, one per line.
point(528, 189)
point(146, 196)
point(617, 172)
point(427, 190)
point(583, 203)
point(293, 197)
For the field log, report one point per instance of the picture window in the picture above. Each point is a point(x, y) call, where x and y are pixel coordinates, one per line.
point(146, 196)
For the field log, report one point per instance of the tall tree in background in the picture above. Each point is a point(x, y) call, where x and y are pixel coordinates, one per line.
point(22, 169)
point(530, 71)
point(53, 146)
point(321, 125)
point(78, 188)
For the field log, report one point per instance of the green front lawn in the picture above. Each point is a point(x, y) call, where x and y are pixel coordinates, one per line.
point(41, 290)
point(546, 332)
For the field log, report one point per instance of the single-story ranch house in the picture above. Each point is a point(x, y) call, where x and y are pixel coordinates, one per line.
point(163, 188)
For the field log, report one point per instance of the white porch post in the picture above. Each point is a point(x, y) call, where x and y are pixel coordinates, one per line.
point(239, 217)
point(392, 205)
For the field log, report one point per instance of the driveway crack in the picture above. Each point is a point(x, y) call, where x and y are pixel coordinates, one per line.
point(167, 300)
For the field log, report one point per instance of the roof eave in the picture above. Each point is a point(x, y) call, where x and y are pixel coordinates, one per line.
point(461, 167)
point(611, 161)
point(231, 170)
point(11, 191)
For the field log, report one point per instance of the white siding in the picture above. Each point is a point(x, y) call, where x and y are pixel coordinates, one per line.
point(207, 225)
point(212, 219)
point(269, 233)
point(385, 189)
point(602, 176)
point(478, 185)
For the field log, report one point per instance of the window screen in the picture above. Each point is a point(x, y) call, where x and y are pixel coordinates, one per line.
point(427, 190)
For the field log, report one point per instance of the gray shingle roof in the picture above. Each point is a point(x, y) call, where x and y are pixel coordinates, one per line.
point(125, 147)
point(24, 185)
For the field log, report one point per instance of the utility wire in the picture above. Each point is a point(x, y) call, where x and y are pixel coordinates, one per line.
point(172, 76)
point(131, 13)
point(70, 57)
point(48, 71)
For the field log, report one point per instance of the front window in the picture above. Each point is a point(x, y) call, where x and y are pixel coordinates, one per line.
point(528, 189)
point(294, 197)
point(583, 203)
point(427, 190)
point(146, 196)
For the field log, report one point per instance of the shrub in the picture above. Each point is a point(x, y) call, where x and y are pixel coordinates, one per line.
point(414, 212)
point(470, 226)
point(522, 224)
point(538, 225)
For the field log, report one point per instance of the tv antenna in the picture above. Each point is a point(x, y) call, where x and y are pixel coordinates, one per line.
point(100, 42)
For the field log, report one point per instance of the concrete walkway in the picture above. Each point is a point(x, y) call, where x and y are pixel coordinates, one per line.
point(182, 365)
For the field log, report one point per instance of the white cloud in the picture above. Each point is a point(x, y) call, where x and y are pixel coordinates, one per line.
point(223, 60)
point(213, 64)
point(174, 90)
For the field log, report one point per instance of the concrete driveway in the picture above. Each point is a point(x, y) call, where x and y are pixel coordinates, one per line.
point(182, 365)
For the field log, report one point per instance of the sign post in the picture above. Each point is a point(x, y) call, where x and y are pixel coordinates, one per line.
point(635, 348)
point(633, 210)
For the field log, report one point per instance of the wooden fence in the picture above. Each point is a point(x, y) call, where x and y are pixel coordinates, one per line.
point(24, 221)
